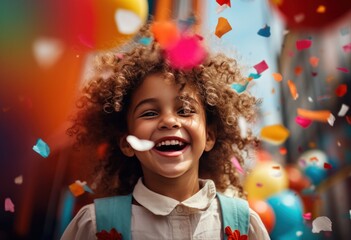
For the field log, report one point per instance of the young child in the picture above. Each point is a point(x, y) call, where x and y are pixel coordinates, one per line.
point(170, 191)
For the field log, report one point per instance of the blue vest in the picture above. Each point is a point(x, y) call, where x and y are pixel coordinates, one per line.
point(115, 212)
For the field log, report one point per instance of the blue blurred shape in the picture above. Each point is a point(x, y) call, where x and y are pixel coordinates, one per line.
point(145, 40)
point(315, 173)
point(239, 88)
point(265, 32)
point(254, 75)
point(42, 148)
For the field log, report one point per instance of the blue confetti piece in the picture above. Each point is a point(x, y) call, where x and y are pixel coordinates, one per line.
point(254, 75)
point(239, 88)
point(42, 148)
point(145, 41)
point(265, 32)
point(87, 189)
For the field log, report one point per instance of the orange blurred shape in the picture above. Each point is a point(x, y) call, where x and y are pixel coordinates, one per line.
point(348, 119)
point(321, 115)
point(277, 77)
point(222, 27)
point(102, 149)
point(166, 33)
point(275, 134)
point(321, 9)
point(297, 180)
point(76, 189)
point(265, 211)
point(341, 90)
point(314, 61)
point(283, 150)
point(263, 156)
point(293, 90)
point(298, 70)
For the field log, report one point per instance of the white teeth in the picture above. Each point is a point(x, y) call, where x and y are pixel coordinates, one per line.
point(170, 142)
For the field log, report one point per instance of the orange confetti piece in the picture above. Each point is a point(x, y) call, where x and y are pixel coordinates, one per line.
point(76, 189)
point(315, 159)
point(102, 150)
point(321, 115)
point(293, 90)
point(314, 61)
point(222, 27)
point(321, 9)
point(283, 150)
point(275, 134)
point(341, 90)
point(166, 33)
point(277, 77)
point(276, 167)
point(298, 70)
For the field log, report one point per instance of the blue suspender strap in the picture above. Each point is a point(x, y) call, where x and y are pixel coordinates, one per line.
point(114, 212)
point(235, 213)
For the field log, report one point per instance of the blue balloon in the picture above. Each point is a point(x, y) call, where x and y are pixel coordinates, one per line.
point(288, 209)
point(316, 174)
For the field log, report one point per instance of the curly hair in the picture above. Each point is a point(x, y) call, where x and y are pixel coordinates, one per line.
point(102, 109)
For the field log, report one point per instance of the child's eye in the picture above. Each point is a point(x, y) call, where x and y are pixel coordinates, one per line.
point(186, 112)
point(148, 114)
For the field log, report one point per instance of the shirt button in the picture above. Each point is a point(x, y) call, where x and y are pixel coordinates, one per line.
point(179, 209)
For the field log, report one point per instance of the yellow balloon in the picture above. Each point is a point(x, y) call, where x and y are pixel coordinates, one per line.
point(117, 21)
point(265, 180)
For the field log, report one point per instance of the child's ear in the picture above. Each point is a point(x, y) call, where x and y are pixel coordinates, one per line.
point(125, 147)
point(210, 138)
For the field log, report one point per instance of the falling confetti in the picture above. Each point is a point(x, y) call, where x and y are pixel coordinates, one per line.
point(342, 69)
point(293, 90)
point(145, 40)
point(42, 148)
point(221, 8)
point(275, 134)
point(299, 17)
point(283, 150)
point(321, 9)
point(321, 115)
point(307, 216)
point(139, 144)
point(222, 2)
point(314, 61)
point(76, 189)
point(331, 120)
point(261, 67)
point(303, 44)
point(343, 110)
point(327, 166)
point(341, 90)
point(321, 224)
point(19, 180)
point(298, 70)
point(277, 77)
point(187, 53)
point(299, 233)
point(265, 31)
point(243, 127)
point(237, 165)
point(9, 206)
point(166, 33)
point(254, 76)
point(239, 88)
point(347, 48)
point(47, 51)
point(222, 27)
point(303, 122)
point(348, 119)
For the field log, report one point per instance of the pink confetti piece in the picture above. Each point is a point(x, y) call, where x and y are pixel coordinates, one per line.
point(347, 48)
point(303, 122)
point(186, 54)
point(261, 67)
point(303, 44)
point(9, 206)
point(237, 165)
point(307, 216)
point(342, 69)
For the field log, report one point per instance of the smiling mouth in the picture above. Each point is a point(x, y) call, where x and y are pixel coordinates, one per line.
point(170, 146)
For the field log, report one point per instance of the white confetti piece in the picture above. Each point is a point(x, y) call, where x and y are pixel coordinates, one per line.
point(127, 21)
point(221, 8)
point(310, 99)
point(9, 206)
point(47, 51)
point(243, 127)
point(331, 120)
point(321, 224)
point(299, 233)
point(140, 144)
point(19, 180)
point(343, 110)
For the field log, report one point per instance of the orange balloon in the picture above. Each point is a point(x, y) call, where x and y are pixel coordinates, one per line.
point(297, 180)
point(265, 211)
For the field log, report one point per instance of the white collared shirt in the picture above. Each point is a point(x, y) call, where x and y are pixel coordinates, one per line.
point(161, 217)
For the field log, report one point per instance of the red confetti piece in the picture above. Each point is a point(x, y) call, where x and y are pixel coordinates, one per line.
point(283, 150)
point(112, 235)
point(341, 90)
point(347, 48)
point(348, 119)
point(345, 70)
point(261, 67)
point(234, 235)
point(303, 122)
point(221, 2)
point(303, 44)
point(307, 216)
point(298, 70)
point(327, 166)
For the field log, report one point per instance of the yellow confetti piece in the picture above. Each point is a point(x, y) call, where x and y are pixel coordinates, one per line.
point(76, 189)
point(275, 134)
point(222, 27)
point(321, 9)
point(314, 61)
point(277, 77)
point(321, 115)
point(293, 90)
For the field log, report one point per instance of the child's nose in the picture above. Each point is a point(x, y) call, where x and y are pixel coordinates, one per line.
point(169, 121)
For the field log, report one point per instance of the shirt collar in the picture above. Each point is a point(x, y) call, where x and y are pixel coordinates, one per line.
point(162, 205)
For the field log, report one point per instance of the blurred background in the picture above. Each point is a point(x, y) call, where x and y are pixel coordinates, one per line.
point(297, 55)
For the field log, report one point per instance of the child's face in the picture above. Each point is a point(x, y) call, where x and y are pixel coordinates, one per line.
point(157, 114)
